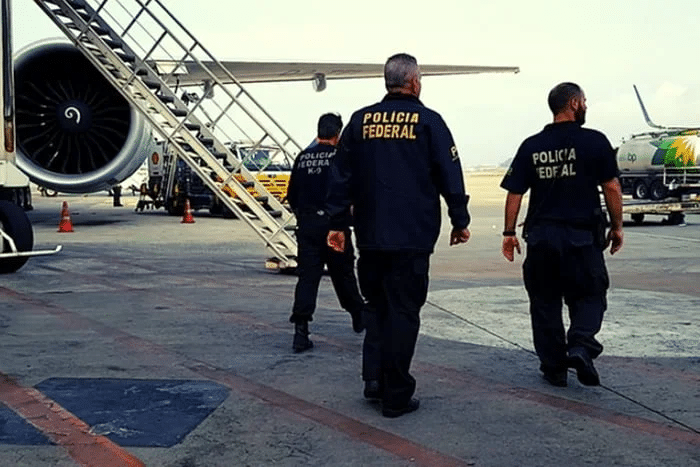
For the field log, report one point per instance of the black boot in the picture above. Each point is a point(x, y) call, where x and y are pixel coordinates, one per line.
point(301, 337)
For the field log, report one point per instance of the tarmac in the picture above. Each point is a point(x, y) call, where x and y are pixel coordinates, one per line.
point(151, 342)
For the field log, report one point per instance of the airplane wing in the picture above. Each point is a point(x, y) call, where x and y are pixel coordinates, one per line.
point(192, 73)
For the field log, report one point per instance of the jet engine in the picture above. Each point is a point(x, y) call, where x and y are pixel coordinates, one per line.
point(75, 132)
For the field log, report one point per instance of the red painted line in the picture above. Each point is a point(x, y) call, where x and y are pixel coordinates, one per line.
point(400, 447)
point(64, 428)
point(463, 379)
point(393, 444)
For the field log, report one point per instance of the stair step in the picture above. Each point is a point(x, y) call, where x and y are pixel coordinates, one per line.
point(126, 57)
point(160, 103)
point(151, 84)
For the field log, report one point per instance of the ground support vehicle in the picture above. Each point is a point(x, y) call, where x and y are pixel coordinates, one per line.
point(674, 209)
point(16, 235)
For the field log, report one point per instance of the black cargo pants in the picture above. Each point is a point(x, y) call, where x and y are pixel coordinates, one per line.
point(395, 285)
point(564, 263)
point(313, 255)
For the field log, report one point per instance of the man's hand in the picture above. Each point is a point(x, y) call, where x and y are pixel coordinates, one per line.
point(616, 238)
point(336, 240)
point(459, 236)
point(510, 243)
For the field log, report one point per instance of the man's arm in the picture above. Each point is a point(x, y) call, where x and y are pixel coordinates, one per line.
point(338, 199)
point(612, 191)
point(451, 186)
point(510, 241)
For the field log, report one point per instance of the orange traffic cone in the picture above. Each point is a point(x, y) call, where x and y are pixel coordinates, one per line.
point(187, 216)
point(66, 225)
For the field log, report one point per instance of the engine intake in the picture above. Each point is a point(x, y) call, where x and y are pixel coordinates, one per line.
point(75, 132)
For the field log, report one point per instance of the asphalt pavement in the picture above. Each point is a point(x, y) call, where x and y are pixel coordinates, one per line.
point(151, 342)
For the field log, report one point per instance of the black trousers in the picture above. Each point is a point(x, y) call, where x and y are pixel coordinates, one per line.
point(395, 285)
point(557, 269)
point(313, 256)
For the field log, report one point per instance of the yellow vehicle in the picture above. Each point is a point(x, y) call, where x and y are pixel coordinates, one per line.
point(273, 174)
point(172, 181)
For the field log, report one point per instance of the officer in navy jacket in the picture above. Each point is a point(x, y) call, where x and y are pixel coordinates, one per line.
point(563, 166)
point(308, 186)
point(395, 159)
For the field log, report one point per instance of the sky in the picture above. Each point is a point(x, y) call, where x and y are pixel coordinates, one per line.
point(604, 46)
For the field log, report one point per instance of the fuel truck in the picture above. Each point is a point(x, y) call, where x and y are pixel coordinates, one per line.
point(660, 163)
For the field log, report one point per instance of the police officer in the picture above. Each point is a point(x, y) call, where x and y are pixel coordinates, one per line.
point(395, 159)
point(563, 166)
point(308, 185)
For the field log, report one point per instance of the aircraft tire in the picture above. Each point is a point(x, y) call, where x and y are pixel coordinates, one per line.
point(15, 223)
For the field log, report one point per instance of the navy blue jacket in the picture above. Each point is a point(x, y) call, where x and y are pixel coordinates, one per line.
point(308, 182)
point(395, 159)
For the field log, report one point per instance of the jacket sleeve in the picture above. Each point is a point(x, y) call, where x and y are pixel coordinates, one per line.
point(338, 200)
point(448, 170)
point(293, 187)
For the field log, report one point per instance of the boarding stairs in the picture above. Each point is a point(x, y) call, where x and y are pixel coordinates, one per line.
point(141, 48)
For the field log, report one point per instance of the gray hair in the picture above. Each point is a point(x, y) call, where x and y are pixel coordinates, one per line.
point(399, 69)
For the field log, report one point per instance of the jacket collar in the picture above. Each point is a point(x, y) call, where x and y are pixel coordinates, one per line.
point(396, 96)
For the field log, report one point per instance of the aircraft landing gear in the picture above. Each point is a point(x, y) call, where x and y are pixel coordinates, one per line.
point(14, 224)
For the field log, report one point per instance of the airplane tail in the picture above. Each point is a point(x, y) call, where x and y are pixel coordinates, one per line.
point(644, 111)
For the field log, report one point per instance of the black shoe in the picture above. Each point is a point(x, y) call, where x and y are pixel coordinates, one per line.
point(373, 390)
point(301, 338)
point(357, 324)
point(555, 378)
point(585, 371)
point(412, 406)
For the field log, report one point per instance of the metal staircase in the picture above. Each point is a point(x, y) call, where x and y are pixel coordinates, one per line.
point(141, 48)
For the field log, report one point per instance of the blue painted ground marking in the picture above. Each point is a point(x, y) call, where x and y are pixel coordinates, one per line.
point(16, 430)
point(136, 412)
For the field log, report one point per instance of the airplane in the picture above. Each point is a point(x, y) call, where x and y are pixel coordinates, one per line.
point(53, 79)
point(69, 129)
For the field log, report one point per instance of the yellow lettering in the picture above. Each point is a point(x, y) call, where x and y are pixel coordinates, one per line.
point(395, 131)
point(387, 130)
point(412, 134)
point(404, 132)
point(367, 117)
point(414, 118)
point(400, 117)
point(365, 129)
point(376, 117)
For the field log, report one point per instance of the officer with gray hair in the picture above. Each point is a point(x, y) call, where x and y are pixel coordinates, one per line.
point(395, 159)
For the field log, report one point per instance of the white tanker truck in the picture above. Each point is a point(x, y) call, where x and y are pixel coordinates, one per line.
point(661, 163)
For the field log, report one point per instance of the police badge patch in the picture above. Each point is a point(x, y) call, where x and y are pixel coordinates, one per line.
point(455, 155)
